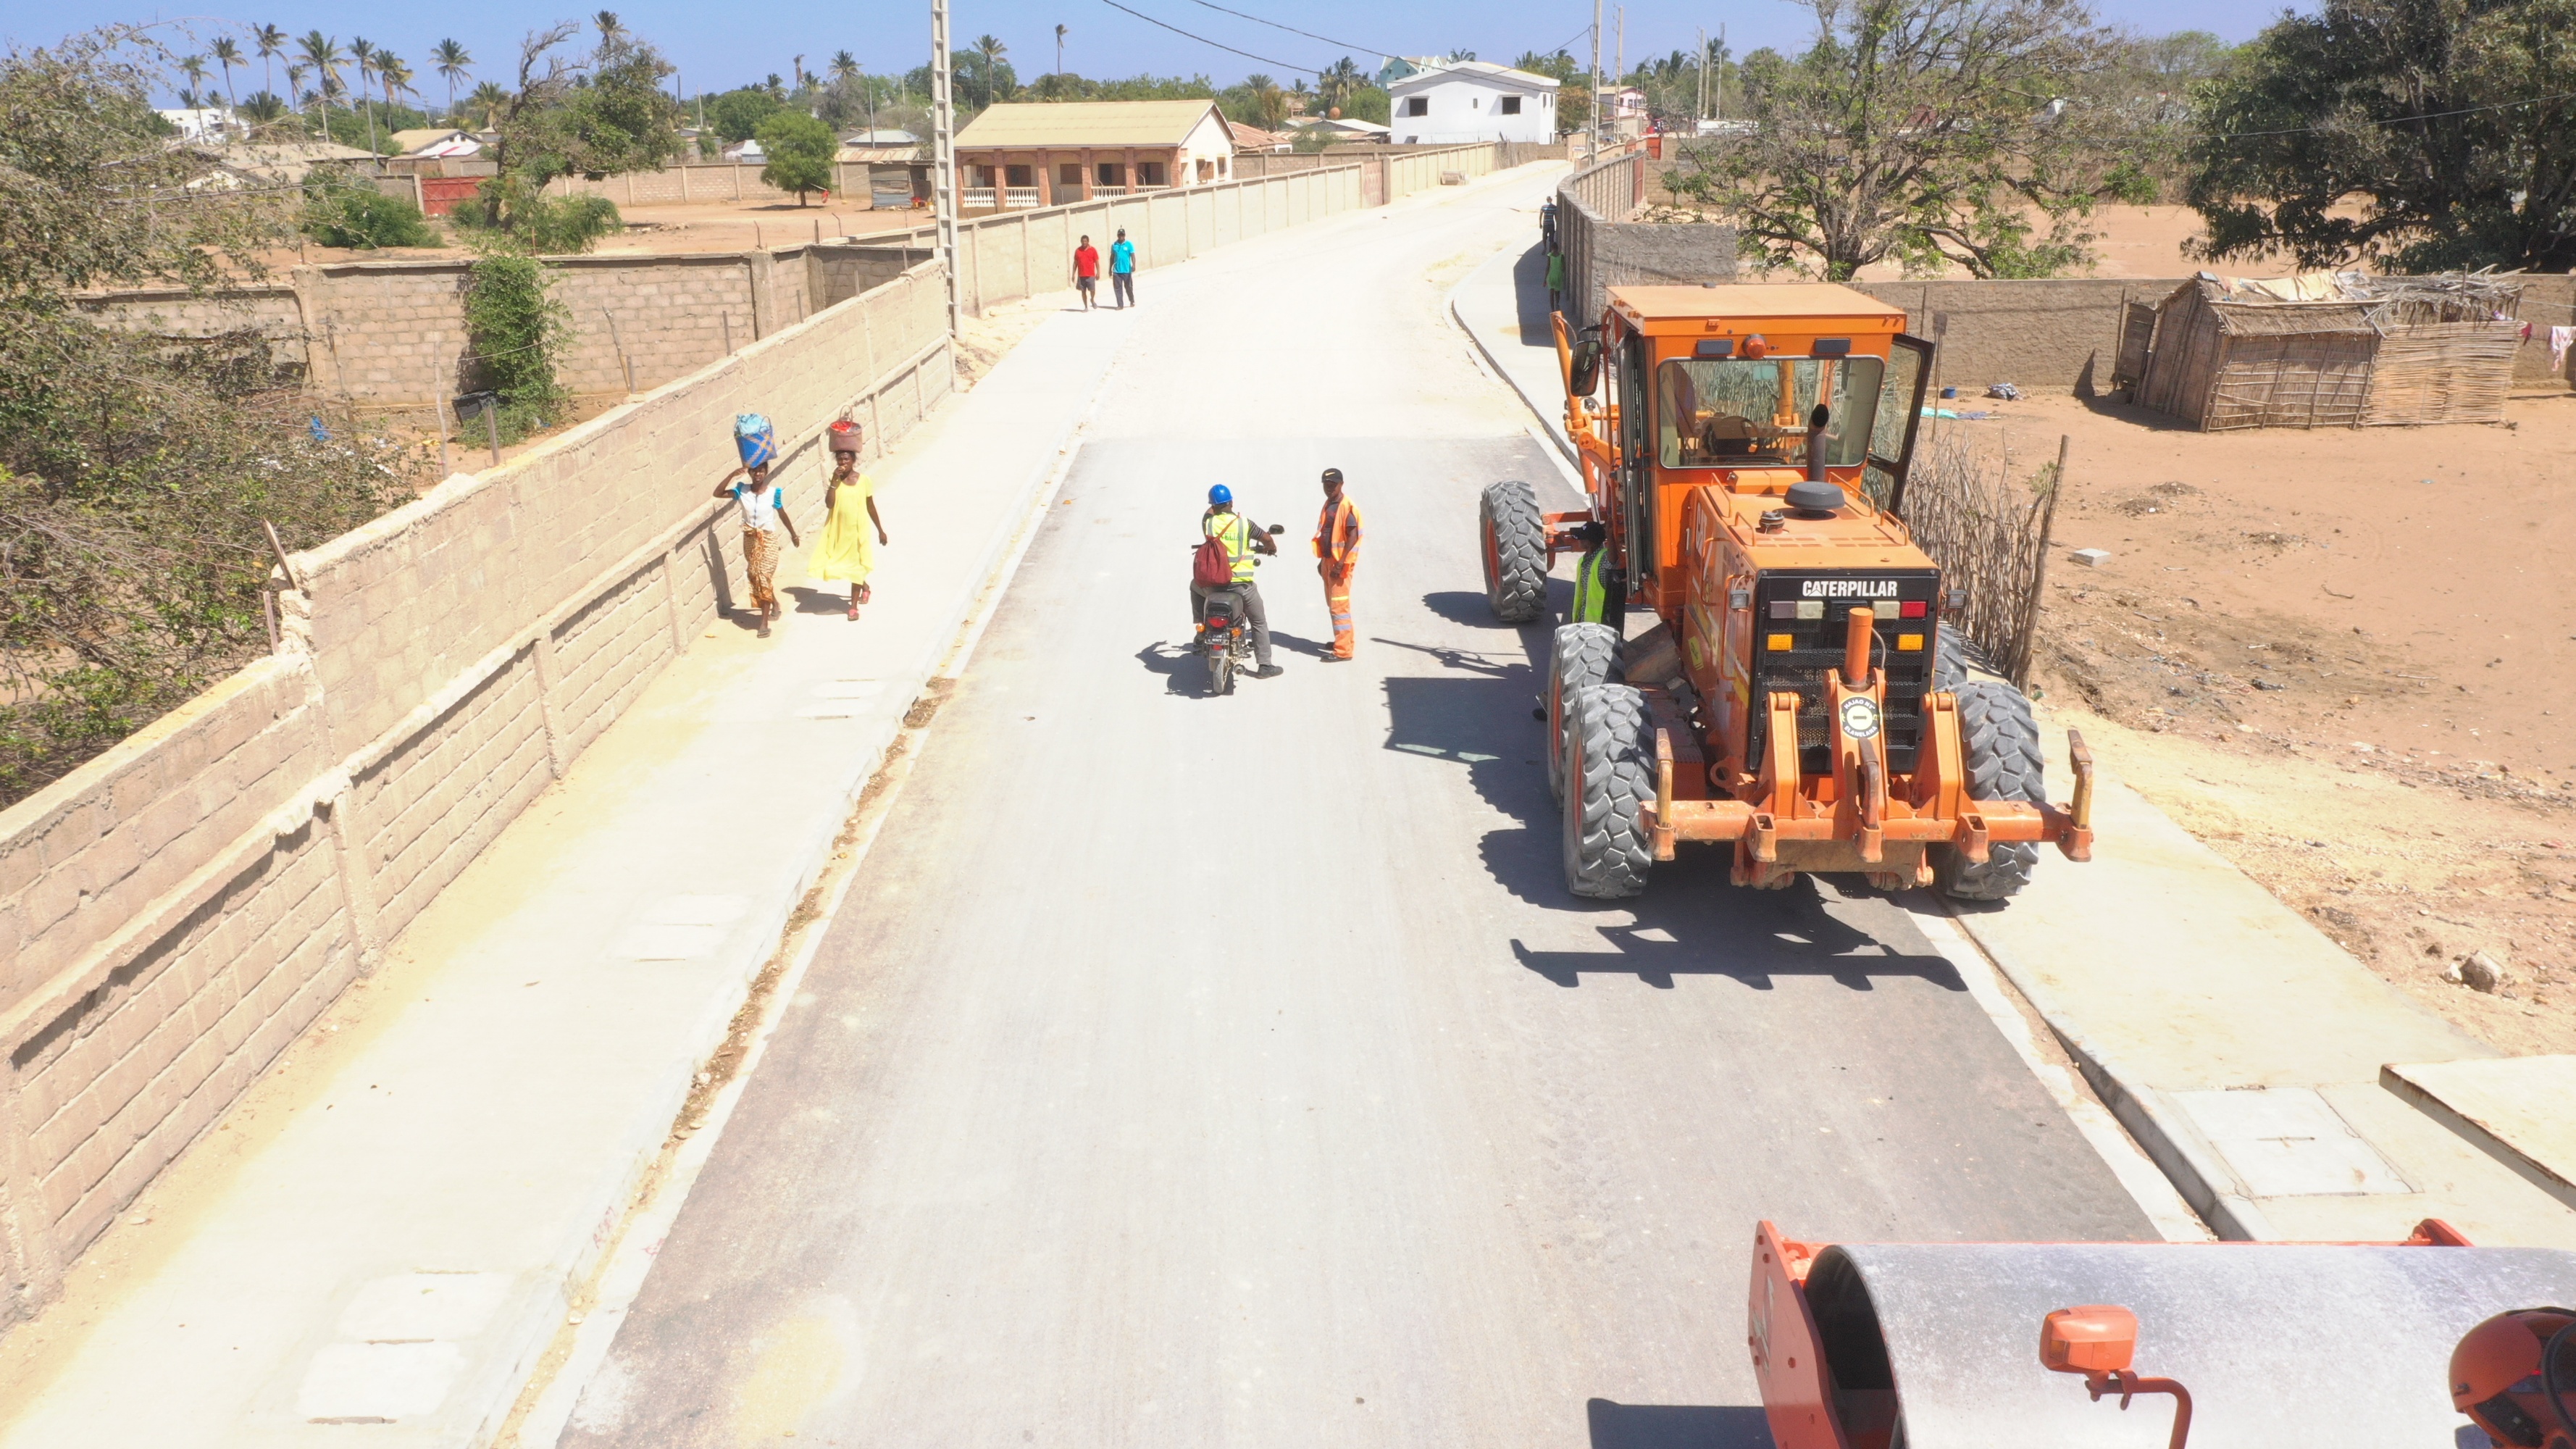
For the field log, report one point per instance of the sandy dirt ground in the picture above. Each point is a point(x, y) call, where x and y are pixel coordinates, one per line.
point(2344, 659)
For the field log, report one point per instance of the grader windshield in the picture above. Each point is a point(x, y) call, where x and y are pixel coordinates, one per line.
point(1736, 412)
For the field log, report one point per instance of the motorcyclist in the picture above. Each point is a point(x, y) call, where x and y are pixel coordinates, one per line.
point(1242, 539)
point(2515, 1374)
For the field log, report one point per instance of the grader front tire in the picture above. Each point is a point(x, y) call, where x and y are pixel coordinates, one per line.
point(2001, 738)
point(1607, 851)
point(1513, 539)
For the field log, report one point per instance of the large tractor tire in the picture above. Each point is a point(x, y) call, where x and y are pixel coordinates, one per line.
point(1582, 656)
point(1513, 539)
point(1956, 659)
point(2001, 738)
point(1610, 782)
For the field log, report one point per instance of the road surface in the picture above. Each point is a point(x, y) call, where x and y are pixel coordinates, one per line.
point(1237, 1071)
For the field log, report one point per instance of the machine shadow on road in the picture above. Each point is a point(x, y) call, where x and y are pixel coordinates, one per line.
point(1675, 1426)
point(1478, 714)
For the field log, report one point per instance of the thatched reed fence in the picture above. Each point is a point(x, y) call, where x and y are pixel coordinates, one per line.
point(1989, 532)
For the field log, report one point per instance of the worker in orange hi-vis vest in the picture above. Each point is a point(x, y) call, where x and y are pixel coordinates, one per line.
point(1337, 552)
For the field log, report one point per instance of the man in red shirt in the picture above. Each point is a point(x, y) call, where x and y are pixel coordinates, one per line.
point(1086, 271)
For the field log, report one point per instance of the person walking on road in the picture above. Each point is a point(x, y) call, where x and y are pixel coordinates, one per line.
point(1086, 271)
point(1243, 539)
point(764, 512)
point(1122, 270)
point(843, 553)
point(1337, 553)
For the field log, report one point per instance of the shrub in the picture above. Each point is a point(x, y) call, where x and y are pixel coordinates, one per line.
point(518, 328)
point(549, 225)
point(360, 216)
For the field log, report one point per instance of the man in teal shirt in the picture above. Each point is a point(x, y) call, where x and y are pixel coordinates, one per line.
point(1122, 269)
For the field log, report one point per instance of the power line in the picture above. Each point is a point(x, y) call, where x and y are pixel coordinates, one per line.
point(2391, 121)
point(1219, 44)
point(1291, 29)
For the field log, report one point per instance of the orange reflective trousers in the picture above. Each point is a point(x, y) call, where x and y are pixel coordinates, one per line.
point(1337, 602)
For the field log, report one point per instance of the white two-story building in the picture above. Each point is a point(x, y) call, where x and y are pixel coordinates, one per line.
point(1470, 100)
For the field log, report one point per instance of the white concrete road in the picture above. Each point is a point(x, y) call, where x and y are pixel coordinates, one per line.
point(1236, 1071)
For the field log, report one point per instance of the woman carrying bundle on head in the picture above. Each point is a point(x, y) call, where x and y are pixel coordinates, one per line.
point(845, 554)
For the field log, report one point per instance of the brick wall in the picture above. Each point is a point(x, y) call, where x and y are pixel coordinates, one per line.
point(174, 912)
point(393, 333)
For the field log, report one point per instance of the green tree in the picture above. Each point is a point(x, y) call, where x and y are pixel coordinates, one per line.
point(1368, 103)
point(261, 109)
point(1932, 132)
point(2415, 134)
point(135, 468)
point(800, 150)
point(322, 59)
point(518, 329)
point(736, 115)
point(486, 101)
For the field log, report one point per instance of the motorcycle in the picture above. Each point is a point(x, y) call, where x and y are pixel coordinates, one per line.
point(1226, 638)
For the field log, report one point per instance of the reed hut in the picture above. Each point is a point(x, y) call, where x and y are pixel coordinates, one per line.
point(2331, 350)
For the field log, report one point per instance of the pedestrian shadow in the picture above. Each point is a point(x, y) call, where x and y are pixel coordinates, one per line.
point(1676, 1426)
point(821, 601)
point(1298, 644)
point(1529, 296)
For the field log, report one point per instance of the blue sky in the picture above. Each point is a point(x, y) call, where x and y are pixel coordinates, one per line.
point(718, 46)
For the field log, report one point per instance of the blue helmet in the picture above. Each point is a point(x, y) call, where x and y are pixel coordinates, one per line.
point(1220, 495)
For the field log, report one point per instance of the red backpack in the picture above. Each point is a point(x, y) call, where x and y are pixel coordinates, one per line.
point(1211, 567)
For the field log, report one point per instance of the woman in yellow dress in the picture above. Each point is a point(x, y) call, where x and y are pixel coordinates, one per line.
point(844, 553)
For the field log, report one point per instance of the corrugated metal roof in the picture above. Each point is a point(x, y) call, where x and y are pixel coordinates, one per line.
point(1085, 123)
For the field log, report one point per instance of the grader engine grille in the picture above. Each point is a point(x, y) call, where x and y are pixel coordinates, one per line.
point(1812, 610)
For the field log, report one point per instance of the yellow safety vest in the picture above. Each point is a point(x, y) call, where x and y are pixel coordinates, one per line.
point(1236, 531)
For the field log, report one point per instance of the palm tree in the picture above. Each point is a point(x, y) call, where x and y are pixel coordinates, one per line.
point(452, 62)
point(1337, 82)
point(262, 108)
point(365, 55)
point(295, 74)
point(845, 66)
point(228, 54)
point(611, 31)
point(194, 68)
point(323, 58)
point(394, 73)
point(272, 43)
point(491, 97)
point(991, 50)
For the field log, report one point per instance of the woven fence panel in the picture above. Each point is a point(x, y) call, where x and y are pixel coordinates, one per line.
point(2443, 372)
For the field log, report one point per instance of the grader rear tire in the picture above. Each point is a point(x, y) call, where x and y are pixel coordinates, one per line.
point(2001, 738)
point(1513, 540)
point(1581, 656)
point(1957, 659)
point(1607, 851)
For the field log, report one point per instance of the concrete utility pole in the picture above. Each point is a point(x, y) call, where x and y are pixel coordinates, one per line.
point(943, 159)
point(1623, 45)
point(1700, 112)
point(1719, 89)
point(1600, 120)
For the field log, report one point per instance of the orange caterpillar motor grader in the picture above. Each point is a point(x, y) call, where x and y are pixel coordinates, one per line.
point(1801, 699)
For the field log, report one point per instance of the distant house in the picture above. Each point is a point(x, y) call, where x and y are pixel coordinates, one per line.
point(747, 153)
point(436, 143)
point(1049, 153)
point(274, 163)
point(1253, 139)
point(1396, 67)
point(204, 123)
point(1473, 100)
point(898, 167)
point(1348, 128)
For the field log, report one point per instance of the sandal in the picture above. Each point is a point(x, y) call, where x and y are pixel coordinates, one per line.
point(854, 609)
point(867, 593)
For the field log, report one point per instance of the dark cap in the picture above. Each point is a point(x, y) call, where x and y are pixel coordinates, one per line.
point(1332, 475)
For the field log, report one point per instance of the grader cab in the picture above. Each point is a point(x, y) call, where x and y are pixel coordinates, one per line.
point(1744, 454)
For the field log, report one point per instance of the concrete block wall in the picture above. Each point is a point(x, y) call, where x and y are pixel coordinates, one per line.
point(2030, 333)
point(173, 913)
point(715, 181)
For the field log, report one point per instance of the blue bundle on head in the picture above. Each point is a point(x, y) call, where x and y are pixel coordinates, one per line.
point(752, 437)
